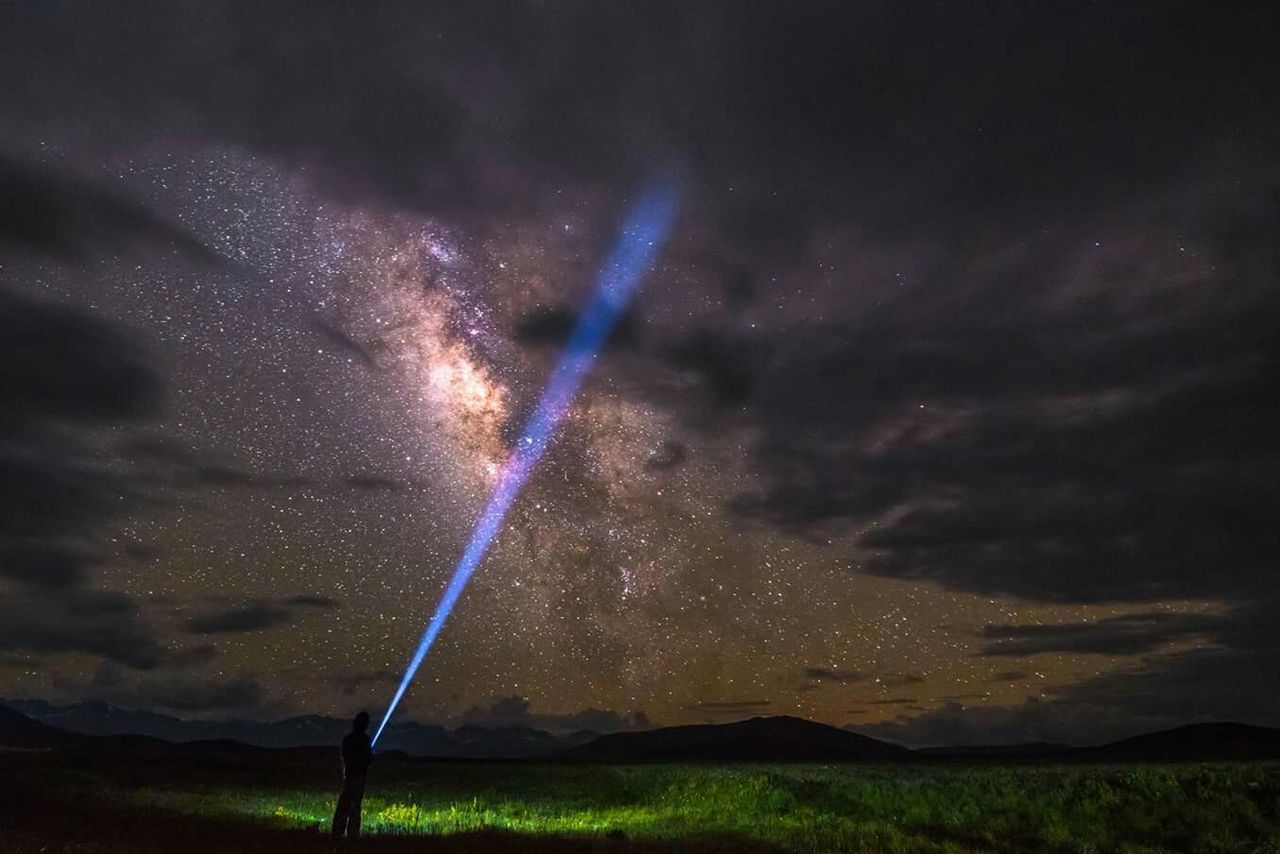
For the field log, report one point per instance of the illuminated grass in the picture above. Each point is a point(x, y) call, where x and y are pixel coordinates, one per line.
point(1221, 808)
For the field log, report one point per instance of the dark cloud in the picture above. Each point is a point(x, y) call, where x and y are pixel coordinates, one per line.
point(516, 711)
point(669, 455)
point(816, 676)
point(243, 618)
point(843, 677)
point(255, 615)
point(160, 461)
point(1030, 434)
point(588, 93)
point(1009, 407)
point(552, 327)
point(50, 213)
point(192, 656)
point(372, 483)
point(311, 601)
point(226, 476)
point(732, 365)
point(78, 621)
point(1245, 628)
point(62, 374)
point(344, 342)
point(1122, 635)
point(362, 681)
point(1159, 692)
point(184, 694)
point(733, 706)
point(142, 552)
point(1193, 685)
point(172, 691)
point(1227, 675)
point(45, 563)
point(958, 724)
point(61, 363)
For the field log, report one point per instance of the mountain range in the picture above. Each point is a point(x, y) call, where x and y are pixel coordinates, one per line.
point(90, 724)
point(97, 718)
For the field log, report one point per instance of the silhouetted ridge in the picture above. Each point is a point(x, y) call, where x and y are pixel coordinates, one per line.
point(95, 727)
point(1222, 740)
point(768, 739)
point(18, 730)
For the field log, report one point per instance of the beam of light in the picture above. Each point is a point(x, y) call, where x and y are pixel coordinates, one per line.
point(643, 233)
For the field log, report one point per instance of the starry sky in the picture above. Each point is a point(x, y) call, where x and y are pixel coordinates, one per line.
point(947, 414)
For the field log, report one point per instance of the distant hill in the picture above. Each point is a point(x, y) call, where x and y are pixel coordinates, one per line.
point(757, 739)
point(1194, 741)
point(1026, 750)
point(97, 718)
point(18, 730)
point(98, 726)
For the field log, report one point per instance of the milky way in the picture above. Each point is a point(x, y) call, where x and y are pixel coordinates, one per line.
point(946, 415)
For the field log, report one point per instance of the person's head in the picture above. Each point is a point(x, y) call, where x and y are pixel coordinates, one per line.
point(361, 723)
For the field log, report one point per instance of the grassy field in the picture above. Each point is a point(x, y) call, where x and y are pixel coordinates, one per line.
point(283, 803)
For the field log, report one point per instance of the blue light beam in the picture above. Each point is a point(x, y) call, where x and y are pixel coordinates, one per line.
point(643, 232)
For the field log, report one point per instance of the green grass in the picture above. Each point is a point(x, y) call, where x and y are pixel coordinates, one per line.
point(810, 808)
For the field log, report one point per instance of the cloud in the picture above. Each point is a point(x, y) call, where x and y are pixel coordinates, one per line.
point(185, 694)
point(161, 461)
point(60, 363)
point(57, 214)
point(1192, 685)
point(363, 680)
point(1159, 692)
point(733, 707)
point(1228, 676)
point(63, 374)
point(255, 615)
point(372, 484)
point(244, 618)
point(1032, 431)
point(594, 94)
point(312, 601)
point(816, 676)
point(78, 621)
point(958, 724)
point(192, 656)
point(45, 563)
point(1245, 627)
point(226, 476)
point(515, 711)
point(669, 455)
point(1123, 635)
point(731, 365)
point(989, 423)
point(552, 327)
point(843, 677)
point(344, 342)
point(173, 692)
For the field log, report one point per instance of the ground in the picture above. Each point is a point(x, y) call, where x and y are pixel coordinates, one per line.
point(228, 799)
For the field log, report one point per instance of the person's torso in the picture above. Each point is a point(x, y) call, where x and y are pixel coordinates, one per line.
point(355, 752)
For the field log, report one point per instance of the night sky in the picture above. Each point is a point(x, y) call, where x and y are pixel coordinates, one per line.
point(949, 412)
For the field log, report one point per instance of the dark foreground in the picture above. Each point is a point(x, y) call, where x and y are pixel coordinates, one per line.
point(225, 799)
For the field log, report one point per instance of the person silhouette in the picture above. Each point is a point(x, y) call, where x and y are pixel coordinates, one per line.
point(357, 753)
